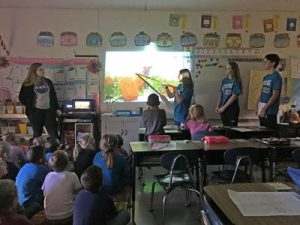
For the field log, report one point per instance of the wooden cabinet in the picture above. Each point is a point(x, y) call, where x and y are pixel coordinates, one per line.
point(127, 127)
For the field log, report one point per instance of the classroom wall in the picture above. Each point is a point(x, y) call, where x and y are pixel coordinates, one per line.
point(19, 29)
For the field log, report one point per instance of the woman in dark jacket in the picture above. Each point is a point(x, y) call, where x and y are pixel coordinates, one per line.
point(39, 98)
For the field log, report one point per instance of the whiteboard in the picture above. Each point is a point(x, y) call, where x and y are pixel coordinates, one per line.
point(208, 81)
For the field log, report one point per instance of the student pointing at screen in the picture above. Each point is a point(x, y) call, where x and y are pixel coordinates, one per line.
point(183, 94)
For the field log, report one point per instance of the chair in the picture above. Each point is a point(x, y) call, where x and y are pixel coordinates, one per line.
point(296, 155)
point(208, 214)
point(179, 175)
point(238, 157)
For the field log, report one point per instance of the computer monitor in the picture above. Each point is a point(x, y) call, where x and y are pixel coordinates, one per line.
point(83, 105)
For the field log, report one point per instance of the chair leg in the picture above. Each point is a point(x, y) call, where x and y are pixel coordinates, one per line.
point(188, 198)
point(164, 207)
point(152, 196)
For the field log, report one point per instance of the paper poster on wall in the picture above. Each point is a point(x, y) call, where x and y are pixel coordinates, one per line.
point(45, 39)
point(237, 22)
point(291, 24)
point(93, 76)
point(188, 39)
point(59, 76)
point(7, 83)
point(70, 73)
point(268, 25)
point(164, 40)
point(80, 91)
point(80, 72)
point(255, 83)
point(233, 40)
point(93, 88)
point(118, 39)
point(69, 91)
point(211, 40)
point(60, 91)
point(205, 21)
point(17, 84)
point(174, 20)
point(295, 67)
point(142, 39)
point(94, 39)
point(282, 40)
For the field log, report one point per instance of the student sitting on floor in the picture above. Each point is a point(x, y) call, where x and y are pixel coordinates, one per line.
point(119, 149)
point(12, 169)
point(9, 205)
point(154, 119)
point(114, 166)
point(93, 206)
point(197, 123)
point(84, 153)
point(29, 181)
point(59, 189)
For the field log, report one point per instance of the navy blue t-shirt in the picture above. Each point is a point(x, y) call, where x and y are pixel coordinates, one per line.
point(271, 82)
point(181, 110)
point(93, 208)
point(229, 87)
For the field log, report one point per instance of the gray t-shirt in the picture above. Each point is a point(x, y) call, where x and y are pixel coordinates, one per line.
point(42, 90)
point(154, 121)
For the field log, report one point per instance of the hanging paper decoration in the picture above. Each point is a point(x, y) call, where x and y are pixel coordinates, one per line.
point(205, 21)
point(298, 40)
point(118, 39)
point(4, 62)
point(68, 39)
point(45, 39)
point(237, 22)
point(257, 40)
point(282, 40)
point(94, 66)
point(233, 40)
point(188, 39)
point(93, 39)
point(164, 40)
point(176, 20)
point(3, 46)
point(142, 39)
point(215, 22)
point(291, 24)
point(276, 22)
point(211, 40)
point(268, 25)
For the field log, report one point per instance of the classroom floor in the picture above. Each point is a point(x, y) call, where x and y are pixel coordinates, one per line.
point(176, 212)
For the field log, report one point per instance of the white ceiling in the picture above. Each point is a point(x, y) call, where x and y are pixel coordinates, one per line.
point(201, 5)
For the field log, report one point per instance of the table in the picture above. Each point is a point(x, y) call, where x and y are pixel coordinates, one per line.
point(214, 149)
point(218, 195)
point(288, 130)
point(142, 150)
point(173, 130)
point(246, 131)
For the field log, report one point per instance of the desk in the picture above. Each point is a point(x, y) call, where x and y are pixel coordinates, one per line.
point(288, 130)
point(218, 194)
point(141, 150)
point(245, 131)
point(214, 149)
point(172, 130)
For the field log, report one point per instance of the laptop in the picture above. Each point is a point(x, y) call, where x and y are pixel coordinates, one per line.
point(83, 105)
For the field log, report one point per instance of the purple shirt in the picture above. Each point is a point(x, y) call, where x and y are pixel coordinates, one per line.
point(195, 126)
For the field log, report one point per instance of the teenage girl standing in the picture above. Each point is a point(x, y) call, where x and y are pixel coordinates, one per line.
point(231, 88)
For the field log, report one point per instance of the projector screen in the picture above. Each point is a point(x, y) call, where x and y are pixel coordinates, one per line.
point(121, 83)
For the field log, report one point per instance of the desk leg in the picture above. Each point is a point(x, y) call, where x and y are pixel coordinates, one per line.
point(204, 171)
point(197, 173)
point(272, 153)
point(263, 168)
point(133, 168)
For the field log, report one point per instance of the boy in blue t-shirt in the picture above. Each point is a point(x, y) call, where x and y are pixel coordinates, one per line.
point(269, 101)
point(93, 206)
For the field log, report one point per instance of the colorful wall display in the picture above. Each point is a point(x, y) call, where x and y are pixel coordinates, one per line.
point(233, 40)
point(118, 39)
point(142, 39)
point(68, 39)
point(282, 40)
point(211, 40)
point(164, 40)
point(257, 40)
point(237, 22)
point(188, 39)
point(94, 39)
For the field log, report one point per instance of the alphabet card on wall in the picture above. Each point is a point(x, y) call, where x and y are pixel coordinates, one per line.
point(268, 25)
point(291, 24)
point(68, 39)
point(45, 39)
point(205, 21)
point(237, 22)
point(282, 40)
